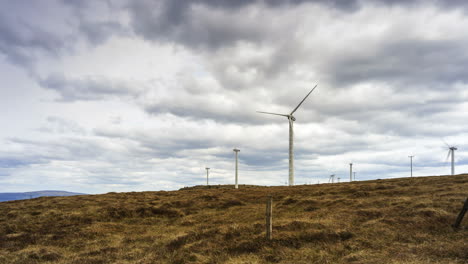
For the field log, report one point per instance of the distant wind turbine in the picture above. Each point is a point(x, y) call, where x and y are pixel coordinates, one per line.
point(291, 119)
point(451, 153)
point(332, 178)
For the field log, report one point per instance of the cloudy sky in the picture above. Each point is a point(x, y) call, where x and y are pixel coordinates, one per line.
point(116, 95)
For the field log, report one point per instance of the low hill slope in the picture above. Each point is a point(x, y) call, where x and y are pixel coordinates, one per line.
point(29, 195)
point(385, 221)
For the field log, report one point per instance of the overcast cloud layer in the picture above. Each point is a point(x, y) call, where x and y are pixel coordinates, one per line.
point(118, 95)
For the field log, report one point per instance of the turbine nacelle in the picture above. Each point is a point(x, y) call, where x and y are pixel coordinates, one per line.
point(290, 117)
point(451, 151)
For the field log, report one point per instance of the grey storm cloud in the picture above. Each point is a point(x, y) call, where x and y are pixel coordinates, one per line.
point(178, 20)
point(156, 146)
point(21, 37)
point(29, 30)
point(206, 23)
point(33, 152)
point(89, 88)
point(406, 63)
point(97, 33)
point(61, 148)
point(97, 20)
point(19, 40)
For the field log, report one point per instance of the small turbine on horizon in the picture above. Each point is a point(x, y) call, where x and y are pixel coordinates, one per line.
point(451, 153)
point(291, 119)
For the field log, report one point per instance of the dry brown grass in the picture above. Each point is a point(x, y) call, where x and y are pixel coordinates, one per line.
point(384, 221)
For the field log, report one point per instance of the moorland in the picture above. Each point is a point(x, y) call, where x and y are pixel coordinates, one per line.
point(405, 220)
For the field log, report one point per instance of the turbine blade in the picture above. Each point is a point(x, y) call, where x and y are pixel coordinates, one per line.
point(303, 99)
point(445, 143)
point(448, 155)
point(271, 113)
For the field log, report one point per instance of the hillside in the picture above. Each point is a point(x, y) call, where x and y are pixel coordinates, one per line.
point(29, 195)
point(384, 221)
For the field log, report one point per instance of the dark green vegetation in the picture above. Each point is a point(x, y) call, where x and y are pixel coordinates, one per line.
point(384, 221)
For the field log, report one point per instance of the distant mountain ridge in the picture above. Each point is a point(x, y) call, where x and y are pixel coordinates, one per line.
point(29, 195)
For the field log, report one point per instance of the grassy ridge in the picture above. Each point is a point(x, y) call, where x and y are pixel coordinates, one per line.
point(384, 221)
point(29, 195)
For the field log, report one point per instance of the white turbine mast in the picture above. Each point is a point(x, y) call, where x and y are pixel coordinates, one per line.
point(411, 164)
point(207, 175)
point(236, 186)
point(291, 119)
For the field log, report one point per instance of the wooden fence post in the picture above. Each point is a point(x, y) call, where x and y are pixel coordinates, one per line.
point(269, 217)
point(461, 215)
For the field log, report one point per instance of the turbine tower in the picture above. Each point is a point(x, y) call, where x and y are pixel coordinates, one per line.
point(237, 152)
point(452, 154)
point(411, 164)
point(207, 175)
point(291, 120)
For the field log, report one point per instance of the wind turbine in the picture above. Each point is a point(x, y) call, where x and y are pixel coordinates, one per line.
point(451, 152)
point(291, 119)
point(332, 178)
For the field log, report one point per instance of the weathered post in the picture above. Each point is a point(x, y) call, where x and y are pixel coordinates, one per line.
point(461, 215)
point(269, 216)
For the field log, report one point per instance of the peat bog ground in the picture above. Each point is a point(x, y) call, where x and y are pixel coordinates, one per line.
point(406, 220)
